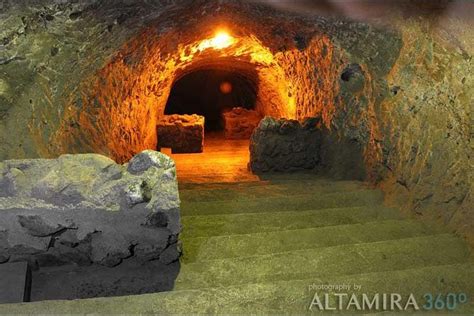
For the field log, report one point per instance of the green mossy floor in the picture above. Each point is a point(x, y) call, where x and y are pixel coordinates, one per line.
point(258, 248)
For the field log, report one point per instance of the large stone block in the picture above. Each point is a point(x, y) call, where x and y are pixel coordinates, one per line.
point(285, 145)
point(15, 283)
point(181, 133)
point(239, 123)
point(87, 209)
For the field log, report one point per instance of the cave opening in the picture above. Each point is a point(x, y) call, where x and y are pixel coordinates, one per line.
point(212, 92)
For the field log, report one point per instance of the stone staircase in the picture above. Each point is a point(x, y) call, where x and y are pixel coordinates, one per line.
point(261, 246)
point(266, 247)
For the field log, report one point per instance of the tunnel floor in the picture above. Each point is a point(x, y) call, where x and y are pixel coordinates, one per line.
point(222, 160)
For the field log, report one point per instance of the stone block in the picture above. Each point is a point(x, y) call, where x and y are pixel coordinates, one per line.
point(239, 123)
point(15, 282)
point(181, 133)
point(285, 145)
point(113, 208)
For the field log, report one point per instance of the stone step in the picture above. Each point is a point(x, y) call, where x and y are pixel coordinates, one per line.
point(272, 189)
point(281, 204)
point(234, 246)
point(263, 181)
point(292, 296)
point(324, 262)
point(232, 224)
point(296, 296)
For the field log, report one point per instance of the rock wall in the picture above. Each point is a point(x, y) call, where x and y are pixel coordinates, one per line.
point(90, 76)
point(410, 115)
point(427, 121)
point(125, 57)
point(341, 157)
point(87, 209)
point(47, 48)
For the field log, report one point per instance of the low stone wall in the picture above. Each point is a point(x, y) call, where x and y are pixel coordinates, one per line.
point(239, 123)
point(285, 145)
point(87, 209)
point(181, 133)
point(288, 145)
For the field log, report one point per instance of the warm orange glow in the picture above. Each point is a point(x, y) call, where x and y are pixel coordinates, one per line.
point(226, 87)
point(229, 166)
point(220, 41)
point(121, 103)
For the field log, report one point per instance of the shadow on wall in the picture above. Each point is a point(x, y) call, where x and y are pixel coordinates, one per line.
point(341, 157)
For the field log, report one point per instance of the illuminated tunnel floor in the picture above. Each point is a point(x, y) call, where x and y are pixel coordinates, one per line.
point(221, 161)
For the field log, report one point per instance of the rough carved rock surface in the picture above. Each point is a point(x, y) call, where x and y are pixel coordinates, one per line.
point(239, 123)
point(285, 145)
point(181, 133)
point(87, 209)
point(398, 87)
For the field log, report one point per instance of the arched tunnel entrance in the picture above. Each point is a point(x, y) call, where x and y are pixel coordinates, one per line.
point(131, 96)
point(209, 116)
point(212, 92)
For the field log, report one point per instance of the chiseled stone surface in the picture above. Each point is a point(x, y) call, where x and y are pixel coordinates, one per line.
point(239, 123)
point(287, 145)
point(401, 91)
point(284, 145)
point(87, 209)
point(181, 133)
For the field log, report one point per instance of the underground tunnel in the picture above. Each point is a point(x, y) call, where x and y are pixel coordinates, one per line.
point(210, 93)
point(221, 156)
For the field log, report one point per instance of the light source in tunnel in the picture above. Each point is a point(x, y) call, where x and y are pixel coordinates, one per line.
point(225, 87)
point(221, 40)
